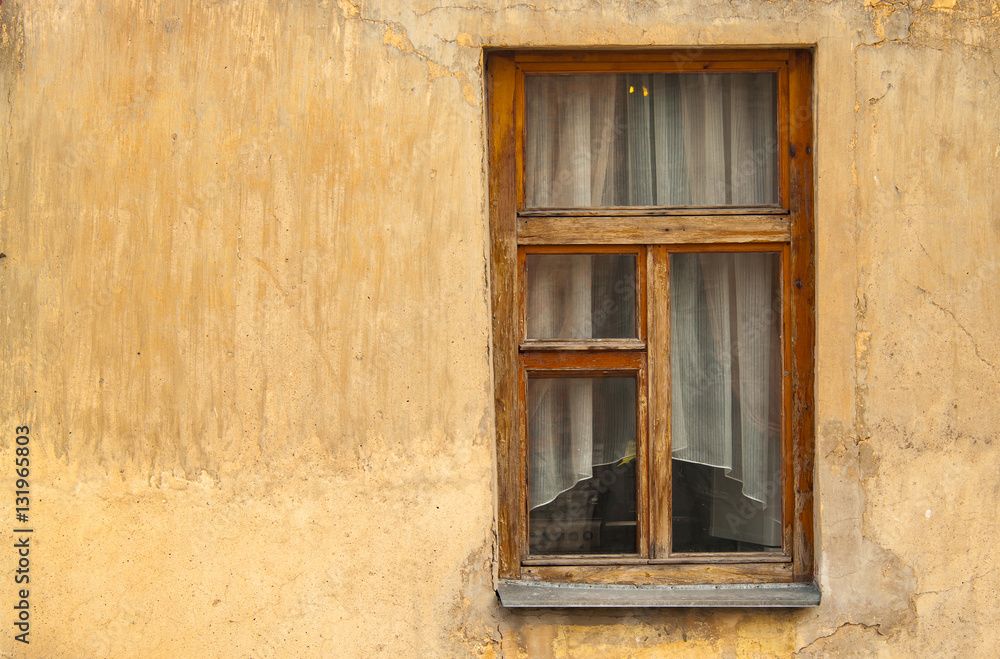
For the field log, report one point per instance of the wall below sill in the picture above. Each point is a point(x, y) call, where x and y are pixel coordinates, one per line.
point(540, 594)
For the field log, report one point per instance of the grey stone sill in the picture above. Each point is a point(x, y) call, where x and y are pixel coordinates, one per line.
point(541, 594)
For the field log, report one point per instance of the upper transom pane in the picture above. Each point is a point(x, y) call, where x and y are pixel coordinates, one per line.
point(650, 139)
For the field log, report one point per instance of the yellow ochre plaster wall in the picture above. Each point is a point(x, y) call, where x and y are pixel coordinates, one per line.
point(244, 310)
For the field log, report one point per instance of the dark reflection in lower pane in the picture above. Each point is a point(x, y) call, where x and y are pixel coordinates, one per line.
point(711, 513)
point(581, 465)
point(597, 515)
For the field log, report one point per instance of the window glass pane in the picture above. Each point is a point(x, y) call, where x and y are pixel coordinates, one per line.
point(725, 361)
point(582, 465)
point(651, 139)
point(580, 296)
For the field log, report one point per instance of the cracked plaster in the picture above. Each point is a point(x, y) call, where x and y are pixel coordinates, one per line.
point(247, 319)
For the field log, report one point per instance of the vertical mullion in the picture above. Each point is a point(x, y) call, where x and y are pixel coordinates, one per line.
point(641, 294)
point(643, 402)
point(658, 365)
point(642, 473)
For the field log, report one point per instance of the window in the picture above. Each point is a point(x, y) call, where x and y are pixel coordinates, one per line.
point(652, 290)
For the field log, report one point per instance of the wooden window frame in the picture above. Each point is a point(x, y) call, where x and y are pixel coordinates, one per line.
point(656, 576)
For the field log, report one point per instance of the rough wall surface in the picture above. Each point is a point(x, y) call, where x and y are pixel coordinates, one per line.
point(244, 310)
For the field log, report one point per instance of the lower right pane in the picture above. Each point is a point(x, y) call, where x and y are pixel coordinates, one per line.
point(725, 361)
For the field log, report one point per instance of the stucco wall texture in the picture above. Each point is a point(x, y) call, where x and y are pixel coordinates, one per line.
point(244, 309)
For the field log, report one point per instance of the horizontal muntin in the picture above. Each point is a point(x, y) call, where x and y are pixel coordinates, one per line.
point(582, 344)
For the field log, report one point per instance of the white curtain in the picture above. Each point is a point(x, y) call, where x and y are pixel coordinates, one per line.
point(574, 425)
point(658, 140)
point(725, 356)
point(725, 377)
point(683, 139)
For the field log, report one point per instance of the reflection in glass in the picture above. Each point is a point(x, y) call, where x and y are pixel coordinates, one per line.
point(582, 465)
point(725, 358)
point(580, 296)
point(650, 139)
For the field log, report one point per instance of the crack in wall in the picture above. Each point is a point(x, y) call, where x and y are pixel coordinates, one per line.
point(916, 236)
point(863, 626)
point(951, 314)
point(962, 584)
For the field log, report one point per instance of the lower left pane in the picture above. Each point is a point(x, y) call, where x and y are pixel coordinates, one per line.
point(582, 465)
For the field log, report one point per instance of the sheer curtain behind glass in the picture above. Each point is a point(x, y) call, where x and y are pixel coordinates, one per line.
point(725, 360)
point(575, 425)
point(661, 139)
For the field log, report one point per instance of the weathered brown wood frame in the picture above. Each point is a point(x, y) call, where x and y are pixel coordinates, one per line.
point(652, 234)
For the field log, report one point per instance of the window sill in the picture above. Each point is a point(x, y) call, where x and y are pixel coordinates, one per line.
point(540, 594)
